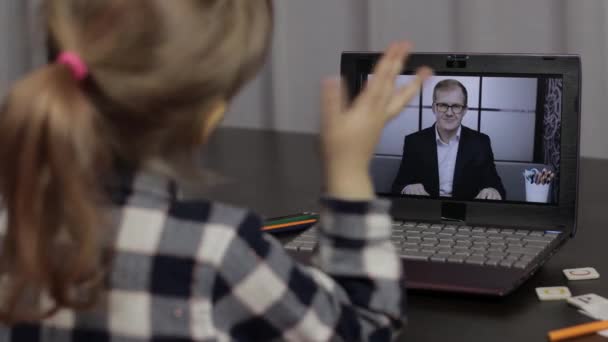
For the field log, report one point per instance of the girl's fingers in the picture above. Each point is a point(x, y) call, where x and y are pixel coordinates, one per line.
point(379, 89)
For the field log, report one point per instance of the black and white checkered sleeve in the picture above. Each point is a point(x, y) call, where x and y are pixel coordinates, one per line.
point(261, 293)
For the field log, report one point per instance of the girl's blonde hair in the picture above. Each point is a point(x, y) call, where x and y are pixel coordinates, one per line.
point(156, 67)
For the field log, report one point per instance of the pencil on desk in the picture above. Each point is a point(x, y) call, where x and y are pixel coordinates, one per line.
point(577, 330)
point(290, 224)
point(272, 222)
point(291, 216)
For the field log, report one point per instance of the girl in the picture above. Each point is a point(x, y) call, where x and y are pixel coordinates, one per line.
point(97, 242)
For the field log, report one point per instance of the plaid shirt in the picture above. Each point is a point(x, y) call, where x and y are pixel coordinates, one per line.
point(202, 271)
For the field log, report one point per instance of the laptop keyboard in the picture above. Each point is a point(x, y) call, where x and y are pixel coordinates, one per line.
point(460, 244)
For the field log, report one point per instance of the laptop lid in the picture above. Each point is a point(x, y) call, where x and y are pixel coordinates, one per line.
point(482, 127)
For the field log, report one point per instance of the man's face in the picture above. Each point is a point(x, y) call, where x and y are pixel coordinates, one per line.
point(449, 108)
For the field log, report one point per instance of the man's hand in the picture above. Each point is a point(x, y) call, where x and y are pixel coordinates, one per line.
point(415, 189)
point(489, 194)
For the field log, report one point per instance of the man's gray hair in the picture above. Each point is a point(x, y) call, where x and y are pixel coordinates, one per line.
point(451, 84)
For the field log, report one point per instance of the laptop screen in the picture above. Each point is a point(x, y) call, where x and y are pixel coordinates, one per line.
point(475, 137)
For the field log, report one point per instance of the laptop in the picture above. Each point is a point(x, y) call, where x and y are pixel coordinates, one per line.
point(481, 167)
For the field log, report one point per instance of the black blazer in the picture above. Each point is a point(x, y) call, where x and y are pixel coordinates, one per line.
point(474, 170)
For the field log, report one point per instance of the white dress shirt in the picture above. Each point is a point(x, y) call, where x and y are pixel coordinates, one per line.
point(446, 161)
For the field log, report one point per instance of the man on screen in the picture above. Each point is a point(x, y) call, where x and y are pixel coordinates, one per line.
point(449, 159)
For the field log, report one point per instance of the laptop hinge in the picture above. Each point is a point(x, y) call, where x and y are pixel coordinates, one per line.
point(451, 211)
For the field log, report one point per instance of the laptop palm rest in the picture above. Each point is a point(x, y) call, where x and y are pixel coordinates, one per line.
point(461, 278)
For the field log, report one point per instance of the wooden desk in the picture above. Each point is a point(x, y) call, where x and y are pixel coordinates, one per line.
point(279, 173)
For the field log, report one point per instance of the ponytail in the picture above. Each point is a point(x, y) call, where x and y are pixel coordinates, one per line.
point(51, 155)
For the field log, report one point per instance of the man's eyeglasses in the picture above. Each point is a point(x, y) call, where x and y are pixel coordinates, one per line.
point(456, 108)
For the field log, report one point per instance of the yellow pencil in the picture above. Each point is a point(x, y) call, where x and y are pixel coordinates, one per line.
point(577, 330)
point(290, 224)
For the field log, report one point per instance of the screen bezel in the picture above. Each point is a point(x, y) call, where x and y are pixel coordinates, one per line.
point(355, 67)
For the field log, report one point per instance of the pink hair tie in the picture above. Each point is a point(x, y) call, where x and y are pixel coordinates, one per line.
point(75, 63)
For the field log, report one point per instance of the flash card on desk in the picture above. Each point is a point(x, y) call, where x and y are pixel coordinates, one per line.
point(594, 305)
point(581, 273)
point(553, 293)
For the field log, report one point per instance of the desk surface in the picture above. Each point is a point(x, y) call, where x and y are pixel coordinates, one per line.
point(279, 173)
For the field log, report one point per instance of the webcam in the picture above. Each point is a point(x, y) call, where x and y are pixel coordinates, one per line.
point(457, 61)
